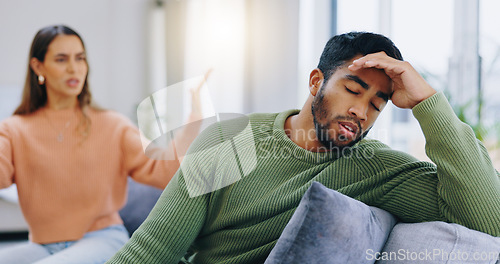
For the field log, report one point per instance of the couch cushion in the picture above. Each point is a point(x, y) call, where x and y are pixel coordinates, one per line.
point(438, 242)
point(329, 227)
point(141, 199)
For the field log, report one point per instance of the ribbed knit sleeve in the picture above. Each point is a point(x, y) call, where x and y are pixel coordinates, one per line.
point(462, 187)
point(469, 185)
point(169, 230)
point(180, 213)
point(6, 166)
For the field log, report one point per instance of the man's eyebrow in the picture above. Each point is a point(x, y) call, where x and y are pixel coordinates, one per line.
point(358, 80)
point(363, 84)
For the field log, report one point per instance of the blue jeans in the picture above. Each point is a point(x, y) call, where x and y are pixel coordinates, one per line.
point(95, 247)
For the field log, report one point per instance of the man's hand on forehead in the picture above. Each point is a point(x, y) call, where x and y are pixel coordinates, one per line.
point(410, 88)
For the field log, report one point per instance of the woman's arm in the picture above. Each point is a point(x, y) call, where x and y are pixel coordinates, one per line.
point(6, 165)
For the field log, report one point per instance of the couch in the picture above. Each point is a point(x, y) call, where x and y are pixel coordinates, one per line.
point(141, 199)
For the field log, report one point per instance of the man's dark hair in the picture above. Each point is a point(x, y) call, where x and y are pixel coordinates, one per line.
point(341, 48)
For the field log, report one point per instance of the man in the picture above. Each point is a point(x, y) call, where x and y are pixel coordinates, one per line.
point(239, 221)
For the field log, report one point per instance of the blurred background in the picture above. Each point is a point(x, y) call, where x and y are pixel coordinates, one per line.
point(262, 51)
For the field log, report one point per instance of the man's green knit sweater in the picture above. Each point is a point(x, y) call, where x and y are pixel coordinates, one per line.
point(258, 181)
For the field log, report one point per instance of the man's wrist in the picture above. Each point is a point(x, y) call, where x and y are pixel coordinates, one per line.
point(436, 105)
point(426, 95)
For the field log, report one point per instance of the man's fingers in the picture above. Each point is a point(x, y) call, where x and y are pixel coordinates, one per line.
point(391, 66)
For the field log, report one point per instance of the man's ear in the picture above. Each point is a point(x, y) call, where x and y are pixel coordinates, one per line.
point(315, 81)
point(36, 66)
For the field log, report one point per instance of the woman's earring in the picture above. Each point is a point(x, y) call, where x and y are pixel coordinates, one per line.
point(41, 79)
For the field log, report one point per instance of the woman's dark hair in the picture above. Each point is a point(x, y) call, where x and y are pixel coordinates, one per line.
point(341, 48)
point(35, 95)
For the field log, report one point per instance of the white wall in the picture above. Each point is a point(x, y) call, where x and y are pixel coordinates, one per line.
point(114, 33)
point(116, 37)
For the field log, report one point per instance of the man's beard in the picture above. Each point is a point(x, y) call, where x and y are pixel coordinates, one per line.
point(319, 111)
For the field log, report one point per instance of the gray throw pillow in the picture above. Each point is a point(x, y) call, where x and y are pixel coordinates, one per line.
point(329, 227)
point(438, 242)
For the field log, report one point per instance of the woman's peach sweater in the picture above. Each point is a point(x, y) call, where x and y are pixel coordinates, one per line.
point(70, 187)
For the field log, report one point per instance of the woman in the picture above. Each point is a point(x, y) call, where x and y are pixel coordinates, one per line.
point(70, 160)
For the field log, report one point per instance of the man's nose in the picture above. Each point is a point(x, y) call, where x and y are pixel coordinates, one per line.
point(359, 110)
